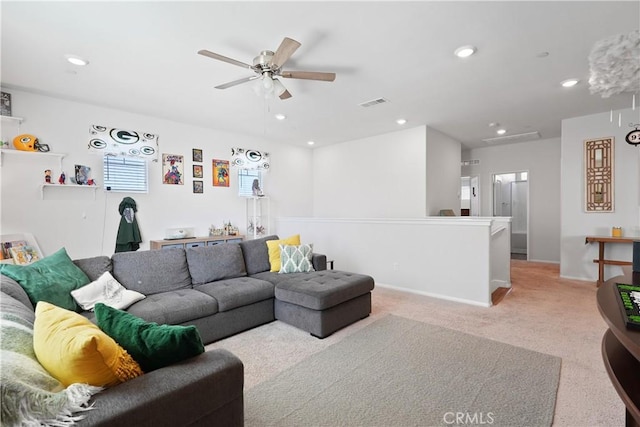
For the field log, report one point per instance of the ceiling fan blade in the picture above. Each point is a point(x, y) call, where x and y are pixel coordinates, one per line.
point(309, 75)
point(285, 95)
point(237, 82)
point(284, 52)
point(224, 59)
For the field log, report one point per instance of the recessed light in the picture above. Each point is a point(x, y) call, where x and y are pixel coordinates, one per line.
point(280, 116)
point(401, 121)
point(465, 51)
point(76, 60)
point(310, 142)
point(501, 131)
point(569, 82)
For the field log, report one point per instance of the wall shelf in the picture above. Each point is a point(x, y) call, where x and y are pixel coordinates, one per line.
point(12, 119)
point(87, 187)
point(4, 151)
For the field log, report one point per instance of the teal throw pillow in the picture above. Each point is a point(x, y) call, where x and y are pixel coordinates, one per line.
point(50, 279)
point(153, 346)
point(296, 258)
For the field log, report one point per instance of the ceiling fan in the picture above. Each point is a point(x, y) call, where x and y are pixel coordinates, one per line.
point(268, 66)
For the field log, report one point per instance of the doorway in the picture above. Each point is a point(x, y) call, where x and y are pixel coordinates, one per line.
point(511, 198)
point(469, 196)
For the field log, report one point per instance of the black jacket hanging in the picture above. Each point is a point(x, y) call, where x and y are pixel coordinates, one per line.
point(128, 238)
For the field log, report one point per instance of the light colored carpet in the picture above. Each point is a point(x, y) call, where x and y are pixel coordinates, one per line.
point(399, 372)
point(543, 313)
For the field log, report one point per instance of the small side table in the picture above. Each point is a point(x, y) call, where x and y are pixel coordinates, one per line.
point(601, 260)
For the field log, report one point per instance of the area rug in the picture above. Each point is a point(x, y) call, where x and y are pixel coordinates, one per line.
point(399, 372)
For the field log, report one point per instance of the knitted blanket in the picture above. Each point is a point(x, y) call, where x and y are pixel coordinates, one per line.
point(29, 395)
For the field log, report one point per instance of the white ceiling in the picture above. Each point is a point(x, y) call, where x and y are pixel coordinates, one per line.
point(143, 58)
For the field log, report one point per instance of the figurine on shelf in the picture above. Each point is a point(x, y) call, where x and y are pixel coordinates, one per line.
point(47, 176)
point(63, 178)
point(255, 189)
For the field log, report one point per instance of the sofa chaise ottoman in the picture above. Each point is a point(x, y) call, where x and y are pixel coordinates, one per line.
point(319, 302)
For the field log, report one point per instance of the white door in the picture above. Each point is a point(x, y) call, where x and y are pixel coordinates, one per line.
point(475, 196)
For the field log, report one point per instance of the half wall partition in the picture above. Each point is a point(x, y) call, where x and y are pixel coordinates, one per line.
point(461, 259)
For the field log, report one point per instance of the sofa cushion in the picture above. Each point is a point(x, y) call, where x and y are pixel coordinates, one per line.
point(153, 346)
point(256, 254)
point(234, 293)
point(211, 263)
point(152, 272)
point(94, 267)
point(30, 395)
point(74, 350)
point(296, 258)
point(273, 246)
point(106, 290)
point(322, 289)
point(175, 307)
point(50, 279)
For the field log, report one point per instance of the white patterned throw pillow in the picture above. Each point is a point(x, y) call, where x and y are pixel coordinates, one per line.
point(296, 258)
point(106, 290)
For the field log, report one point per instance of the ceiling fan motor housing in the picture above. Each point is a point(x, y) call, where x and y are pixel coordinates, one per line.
point(263, 61)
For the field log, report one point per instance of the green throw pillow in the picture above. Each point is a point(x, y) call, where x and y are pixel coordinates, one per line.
point(296, 258)
point(153, 346)
point(50, 279)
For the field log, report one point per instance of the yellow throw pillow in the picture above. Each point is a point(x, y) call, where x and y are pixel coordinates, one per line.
point(274, 250)
point(74, 350)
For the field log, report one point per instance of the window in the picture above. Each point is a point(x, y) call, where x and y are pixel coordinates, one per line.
point(125, 174)
point(245, 181)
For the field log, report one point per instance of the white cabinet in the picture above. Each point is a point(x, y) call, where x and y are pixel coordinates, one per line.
point(257, 217)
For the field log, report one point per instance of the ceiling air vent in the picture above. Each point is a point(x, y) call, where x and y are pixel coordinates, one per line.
point(373, 102)
point(470, 162)
point(519, 137)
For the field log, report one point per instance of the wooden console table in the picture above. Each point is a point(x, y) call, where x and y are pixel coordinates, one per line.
point(602, 240)
point(621, 347)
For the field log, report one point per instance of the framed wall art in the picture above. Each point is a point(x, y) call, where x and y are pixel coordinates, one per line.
point(599, 174)
point(172, 169)
point(197, 171)
point(220, 173)
point(196, 154)
point(198, 187)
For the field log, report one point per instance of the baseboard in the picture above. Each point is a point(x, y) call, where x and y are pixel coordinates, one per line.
point(544, 261)
point(433, 295)
point(582, 279)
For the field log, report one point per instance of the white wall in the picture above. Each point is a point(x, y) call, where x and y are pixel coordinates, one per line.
point(382, 176)
point(86, 226)
point(542, 160)
point(443, 173)
point(576, 257)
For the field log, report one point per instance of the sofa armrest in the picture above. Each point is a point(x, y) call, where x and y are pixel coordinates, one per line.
point(13, 288)
point(319, 262)
point(203, 390)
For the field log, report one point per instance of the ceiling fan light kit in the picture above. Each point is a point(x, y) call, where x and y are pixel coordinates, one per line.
point(268, 66)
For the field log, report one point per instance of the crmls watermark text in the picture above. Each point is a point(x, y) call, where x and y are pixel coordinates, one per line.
point(468, 418)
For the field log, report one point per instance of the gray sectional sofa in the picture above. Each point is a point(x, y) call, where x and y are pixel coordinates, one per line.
point(222, 290)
